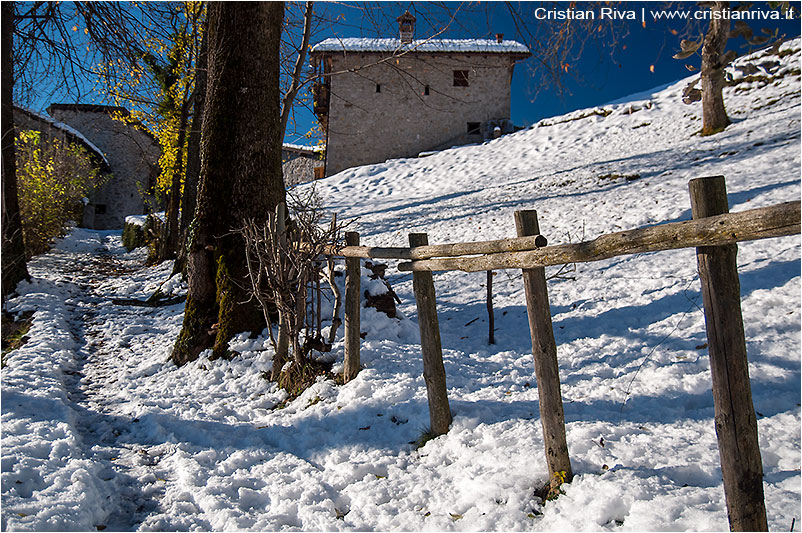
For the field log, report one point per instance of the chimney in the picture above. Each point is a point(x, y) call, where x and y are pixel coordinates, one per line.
point(406, 27)
point(499, 37)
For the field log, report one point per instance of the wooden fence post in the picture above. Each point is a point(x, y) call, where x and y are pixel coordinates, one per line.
point(736, 424)
point(353, 275)
point(544, 349)
point(434, 372)
point(491, 318)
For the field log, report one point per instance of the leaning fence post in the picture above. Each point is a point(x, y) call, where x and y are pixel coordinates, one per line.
point(434, 372)
point(736, 424)
point(352, 310)
point(544, 349)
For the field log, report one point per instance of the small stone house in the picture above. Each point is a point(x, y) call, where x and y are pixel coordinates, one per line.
point(301, 163)
point(379, 99)
point(132, 156)
point(25, 119)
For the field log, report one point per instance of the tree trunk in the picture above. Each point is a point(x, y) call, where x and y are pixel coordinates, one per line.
point(169, 242)
point(190, 196)
point(240, 172)
point(14, 269)
point(714, 116)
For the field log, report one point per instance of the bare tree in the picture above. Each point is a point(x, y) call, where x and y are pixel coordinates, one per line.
point(715, 58)
point(190, 196)
point(300, 59)
point(298, 28)
point(558, 46)
point(57, 44)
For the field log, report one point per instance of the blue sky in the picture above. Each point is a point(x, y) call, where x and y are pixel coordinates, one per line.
point(642, 59)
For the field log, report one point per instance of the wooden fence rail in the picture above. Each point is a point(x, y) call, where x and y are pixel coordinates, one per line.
point(713, 232)
point(441, 250)
point(762, 223)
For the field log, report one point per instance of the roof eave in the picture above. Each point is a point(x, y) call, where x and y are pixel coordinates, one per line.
point(516, 55)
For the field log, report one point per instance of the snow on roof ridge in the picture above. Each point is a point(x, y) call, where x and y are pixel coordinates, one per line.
point(291, 146)
point(69, 129)
point(358, 44)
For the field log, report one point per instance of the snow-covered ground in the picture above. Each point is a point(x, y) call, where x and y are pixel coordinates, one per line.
point(99, 430)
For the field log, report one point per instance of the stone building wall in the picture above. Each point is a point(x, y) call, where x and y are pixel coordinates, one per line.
point(300, 169)
point(131, 153)
point(25, 119)
point(382, 111)
point(299, 163)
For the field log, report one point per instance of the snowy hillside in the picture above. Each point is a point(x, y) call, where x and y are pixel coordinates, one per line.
point(100, 432)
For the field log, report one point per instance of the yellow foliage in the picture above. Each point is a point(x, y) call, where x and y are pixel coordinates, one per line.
point(52, 178)
point(157, 90)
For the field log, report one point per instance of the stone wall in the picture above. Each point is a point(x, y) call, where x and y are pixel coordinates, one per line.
point(131, 153)
point(383, 111)
point(299, 164)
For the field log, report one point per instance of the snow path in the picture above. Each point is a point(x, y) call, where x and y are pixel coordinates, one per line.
point(89, 379)
point(99, 422)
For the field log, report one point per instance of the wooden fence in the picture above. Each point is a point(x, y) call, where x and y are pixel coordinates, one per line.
point(713, 232)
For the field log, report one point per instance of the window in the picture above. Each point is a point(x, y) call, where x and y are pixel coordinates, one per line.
point(378, 87)
point(460, 78)
point(426, 91)
point(474, 128)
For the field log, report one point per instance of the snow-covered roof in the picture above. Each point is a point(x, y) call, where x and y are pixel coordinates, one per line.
point(302, 148)
point(421, 45)
point(69, 129)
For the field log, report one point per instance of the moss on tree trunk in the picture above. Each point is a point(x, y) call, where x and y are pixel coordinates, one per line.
point(240, 172)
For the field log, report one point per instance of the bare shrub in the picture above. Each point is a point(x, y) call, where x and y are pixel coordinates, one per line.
point(285, 258)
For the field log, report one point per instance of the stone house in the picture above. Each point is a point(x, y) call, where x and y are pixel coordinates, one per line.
point(379, 99)
point(301, 163)
point(132, 156)
point(25, 119)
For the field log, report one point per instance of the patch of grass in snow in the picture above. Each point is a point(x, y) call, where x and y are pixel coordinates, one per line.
point(426, 435)
point(14, 332)
point(297, 378)
point(627, 177)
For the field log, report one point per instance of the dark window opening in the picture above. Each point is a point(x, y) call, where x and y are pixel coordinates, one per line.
point(474, 128)
point(460, 78)
point(100, 209)
point(378, 87)
point(426, 91)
